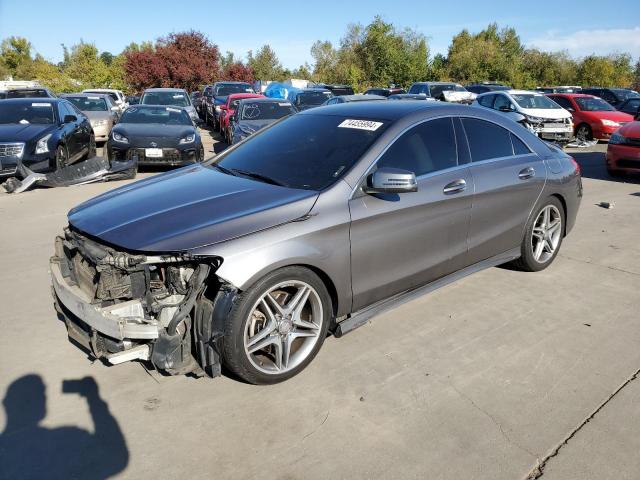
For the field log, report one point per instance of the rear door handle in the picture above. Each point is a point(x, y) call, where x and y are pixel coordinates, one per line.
point(456, 186)
point(526, 173)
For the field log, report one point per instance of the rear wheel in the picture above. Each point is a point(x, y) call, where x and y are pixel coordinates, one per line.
point(92, 147)
point(277, 326)
point(543, 236)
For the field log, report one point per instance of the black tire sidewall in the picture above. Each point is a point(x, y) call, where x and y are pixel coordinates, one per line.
point(528, 261)
point(66, 156)
point(233, 354)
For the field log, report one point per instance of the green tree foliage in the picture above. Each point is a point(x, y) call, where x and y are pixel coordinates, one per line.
point(612, 70)
point(84, 64)
point(14, 53)
point(265, 64)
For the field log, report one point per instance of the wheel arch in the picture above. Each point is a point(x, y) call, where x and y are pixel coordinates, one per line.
point(563, 202)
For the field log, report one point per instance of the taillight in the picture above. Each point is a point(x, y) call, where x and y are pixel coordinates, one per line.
point(576, 165)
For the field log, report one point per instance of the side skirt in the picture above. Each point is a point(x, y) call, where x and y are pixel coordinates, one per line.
point(359, 318)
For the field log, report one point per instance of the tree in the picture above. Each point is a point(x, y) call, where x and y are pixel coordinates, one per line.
point(46, 74)
point(265, 64)
point(14, 53)
point(84, 64)
point(186, 60)
point(238, 72)
point(636, 76)
point(612, 70)
point(107, 58)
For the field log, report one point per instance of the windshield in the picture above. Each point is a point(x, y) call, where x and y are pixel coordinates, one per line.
point(111, 94)
point(313, 98)
point(436, 90)
point(177, 99)
point(623, 93)
point(26, 113)
point(534, 101)
point(266, 110)
point(89, 104)
point(224, 90)
point(159, 115)
point(593, 104)
point(309, 152)
point(27, 94)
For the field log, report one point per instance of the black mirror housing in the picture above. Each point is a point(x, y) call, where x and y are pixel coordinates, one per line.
point(391, 180)
point(70, 118)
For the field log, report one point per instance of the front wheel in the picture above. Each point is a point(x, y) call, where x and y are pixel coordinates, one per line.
point(584, 133)
point(277, 326)
point(92, 147)
point(62, 157)
point(543, 236)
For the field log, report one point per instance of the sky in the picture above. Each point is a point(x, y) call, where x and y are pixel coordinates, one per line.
point(291, 27)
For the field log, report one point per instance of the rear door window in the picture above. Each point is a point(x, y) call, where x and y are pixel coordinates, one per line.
point(487, 140)
point(519, 147)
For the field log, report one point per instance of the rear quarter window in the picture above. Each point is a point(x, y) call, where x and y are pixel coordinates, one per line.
point(487, 140)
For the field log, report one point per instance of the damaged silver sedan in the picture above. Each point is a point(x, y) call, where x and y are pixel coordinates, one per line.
point(311, 226)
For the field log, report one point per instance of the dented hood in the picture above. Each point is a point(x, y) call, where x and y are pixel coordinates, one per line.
point(188, 208)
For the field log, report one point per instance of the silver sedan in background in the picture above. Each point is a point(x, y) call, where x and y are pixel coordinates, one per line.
point(311, 225)
point(100, 110)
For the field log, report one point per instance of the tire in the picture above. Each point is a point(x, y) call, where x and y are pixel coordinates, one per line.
point(530, 260)
point(615, 173)
point(250, 325)
point(201, 153)
point(62, 157)
point(92, 147)
point(583, 132)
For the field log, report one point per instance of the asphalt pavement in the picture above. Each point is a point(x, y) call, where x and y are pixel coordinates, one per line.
point(503, 375)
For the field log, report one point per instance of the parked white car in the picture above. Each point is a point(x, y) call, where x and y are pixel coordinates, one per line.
point(119, 99)
point(537, 112)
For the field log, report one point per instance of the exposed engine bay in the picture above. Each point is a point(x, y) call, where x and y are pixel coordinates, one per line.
point(123, 306)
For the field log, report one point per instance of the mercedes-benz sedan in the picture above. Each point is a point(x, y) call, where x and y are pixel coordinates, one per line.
point(310, 226)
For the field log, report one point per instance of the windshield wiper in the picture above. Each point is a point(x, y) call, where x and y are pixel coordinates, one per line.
point(223, 170)
point(259, 176)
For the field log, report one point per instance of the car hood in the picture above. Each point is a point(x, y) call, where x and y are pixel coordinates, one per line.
point(609, 115)
point(551, 113)
point(188, 208)
point(141, 135)
point(15, 132)
point(91, 115)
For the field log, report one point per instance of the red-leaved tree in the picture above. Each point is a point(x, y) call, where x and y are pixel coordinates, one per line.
point(182, 60)
point(238, 72)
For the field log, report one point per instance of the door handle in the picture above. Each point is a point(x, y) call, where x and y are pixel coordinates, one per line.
point(456, 186)
point(526, 173)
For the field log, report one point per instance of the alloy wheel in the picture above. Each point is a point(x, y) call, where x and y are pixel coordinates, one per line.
point(546, 234)
point(583, 133)
point(283, 327)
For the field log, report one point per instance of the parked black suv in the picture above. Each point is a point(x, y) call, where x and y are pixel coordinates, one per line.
point(337, 90)
point(485, 87)
point(29, 93)
point(613, 96)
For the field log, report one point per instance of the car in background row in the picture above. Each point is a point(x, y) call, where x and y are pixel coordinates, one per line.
point(410, 96)
point(216, 95)
point(613, 96)
point(119, 98)
point(196, 101)
point(384, 92)
point(485, 87)
point(593, 118)
point(253, 114)
point(229, 108)
point(444, 91)
point(623, 151)
point(538, 113)
point(306, 98)
point(559, 89)
point(133, 99)
point(100, 111)
point(353, 98)
point(305, 228)
point(44, 134)
point(170, 97)
point(337, 90)
point(156, 135)
point(631, 106)
point(29, 93)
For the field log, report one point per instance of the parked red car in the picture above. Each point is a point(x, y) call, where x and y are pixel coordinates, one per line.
point(592, 116)
point(623, 152)
point(228, 109)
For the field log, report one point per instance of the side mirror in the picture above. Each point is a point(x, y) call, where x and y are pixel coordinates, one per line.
point(505, 108)
point(571, 109)
point(115, 109)
point(391, 180)
point(70, 118)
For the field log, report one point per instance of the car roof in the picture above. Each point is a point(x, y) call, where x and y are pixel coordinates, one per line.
point(265, 100)
point(149, 105)
point(164, 90)
point(436, 83)
point(381, 110)
point(109, 90)
point(233, 96)
point(85, 94)
point(515, 91)
point(572, 95)
point(230, 82)
point(362, 97)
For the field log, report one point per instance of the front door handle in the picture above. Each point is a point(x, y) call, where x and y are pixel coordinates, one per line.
point(526, 173)
point(456, 186)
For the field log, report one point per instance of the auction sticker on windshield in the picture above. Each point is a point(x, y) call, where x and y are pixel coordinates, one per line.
point(40, 104)
point(361, 124)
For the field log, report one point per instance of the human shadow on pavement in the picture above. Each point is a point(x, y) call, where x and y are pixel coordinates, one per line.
point(29, 450)
point(593, 165)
